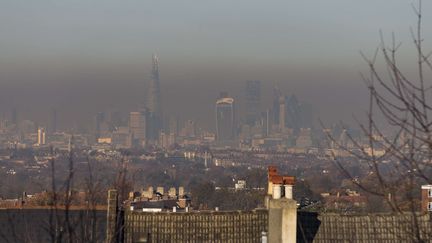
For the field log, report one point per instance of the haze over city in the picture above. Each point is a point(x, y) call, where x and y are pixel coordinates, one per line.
point(81, 57)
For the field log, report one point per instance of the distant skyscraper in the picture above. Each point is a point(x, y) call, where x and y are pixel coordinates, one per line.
point(253, 99)
point(282, 112)
point(99, 120)
point(114, 119)
point(41, 137)
point(304, 140)
point(299, 114)
point(70, 143)
point(225, 119)
point(14, 116)
point(154, 101)
point(293, 113)
point(189, 129)
point(276, 94)
point(223, 94)
point(173, 125)
point(53, 128)
point(137, 126)
point(268, 121)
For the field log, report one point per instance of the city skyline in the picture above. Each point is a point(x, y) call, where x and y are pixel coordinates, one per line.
point(87, 57)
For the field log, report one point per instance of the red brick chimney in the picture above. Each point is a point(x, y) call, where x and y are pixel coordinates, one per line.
point(282, 208)
point(426, 192)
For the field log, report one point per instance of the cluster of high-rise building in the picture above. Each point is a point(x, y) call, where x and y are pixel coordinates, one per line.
point(144, 126)
point(285, 123)
point(22, 133)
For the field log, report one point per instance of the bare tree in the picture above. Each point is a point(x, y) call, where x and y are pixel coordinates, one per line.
point(65, 224)
point(398, 163)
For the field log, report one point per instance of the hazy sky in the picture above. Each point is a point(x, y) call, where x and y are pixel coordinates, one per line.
point(82, 56)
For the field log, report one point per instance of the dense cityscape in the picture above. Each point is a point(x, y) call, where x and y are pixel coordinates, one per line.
point(281, 135)
point(250, 160)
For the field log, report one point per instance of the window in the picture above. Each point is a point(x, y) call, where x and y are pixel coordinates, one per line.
point(430, 206)
point(430, 192)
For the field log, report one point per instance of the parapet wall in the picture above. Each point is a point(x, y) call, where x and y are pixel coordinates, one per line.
point(232, 226)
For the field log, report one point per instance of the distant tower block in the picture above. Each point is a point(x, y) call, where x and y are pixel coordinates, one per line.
point(137, 126)
point(154, 98)
point(14, 116)
point(253, 99)
point(282, 112)
point(41, 137)
point(154, 101)
point(225, 119)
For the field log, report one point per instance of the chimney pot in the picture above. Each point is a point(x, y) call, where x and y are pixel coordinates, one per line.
point(277, 192)
point(289, 191)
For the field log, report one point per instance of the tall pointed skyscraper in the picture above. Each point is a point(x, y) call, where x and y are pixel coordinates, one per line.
point(154, 99)
point(154, 102)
